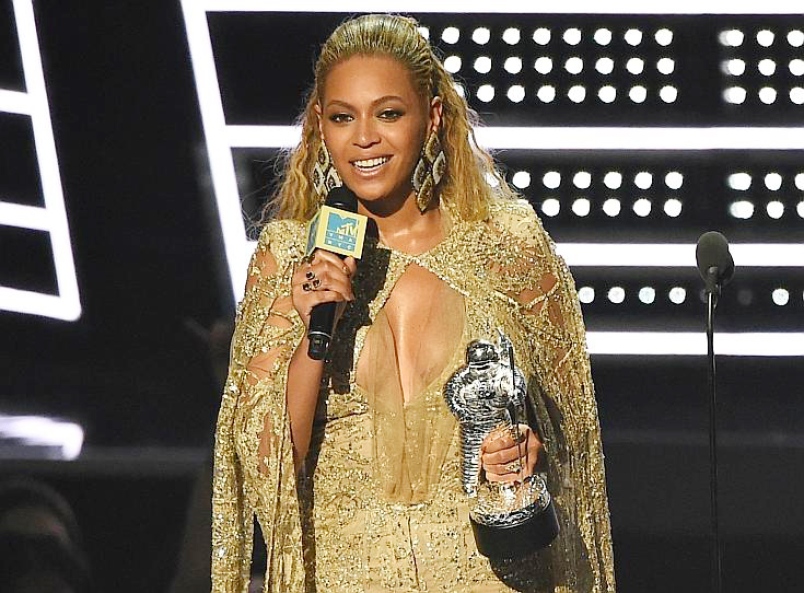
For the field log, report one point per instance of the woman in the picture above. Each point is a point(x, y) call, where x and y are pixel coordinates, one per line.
point(352, 466)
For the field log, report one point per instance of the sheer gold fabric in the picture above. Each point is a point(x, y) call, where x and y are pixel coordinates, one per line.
point(379, 506)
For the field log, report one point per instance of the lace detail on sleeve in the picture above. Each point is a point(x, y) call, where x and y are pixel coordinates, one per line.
point(252, 440)
point(542, 291)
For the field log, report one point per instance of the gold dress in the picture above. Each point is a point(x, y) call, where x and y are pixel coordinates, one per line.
point(379, 505)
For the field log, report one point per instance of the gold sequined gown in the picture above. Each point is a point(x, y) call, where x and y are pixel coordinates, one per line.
point(380, 506)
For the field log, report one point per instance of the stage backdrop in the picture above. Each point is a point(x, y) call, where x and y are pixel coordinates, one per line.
point(138, 143)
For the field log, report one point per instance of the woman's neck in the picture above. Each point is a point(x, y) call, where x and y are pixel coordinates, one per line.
point(407, 229)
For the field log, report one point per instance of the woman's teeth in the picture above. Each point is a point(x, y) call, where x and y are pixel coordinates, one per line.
point(371, 163)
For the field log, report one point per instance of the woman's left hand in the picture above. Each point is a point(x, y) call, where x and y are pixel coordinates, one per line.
point(500, 455)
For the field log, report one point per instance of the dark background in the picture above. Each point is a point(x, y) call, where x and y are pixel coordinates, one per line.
point(148, 252)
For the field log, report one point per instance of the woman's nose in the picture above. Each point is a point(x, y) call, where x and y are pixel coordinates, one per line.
point(366, 133)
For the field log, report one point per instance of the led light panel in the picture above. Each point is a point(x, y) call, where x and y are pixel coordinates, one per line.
point(222, 138)
point(692, 7)
point(574, 138)
point(52, 218)
point(694, 344)
point(677, 255)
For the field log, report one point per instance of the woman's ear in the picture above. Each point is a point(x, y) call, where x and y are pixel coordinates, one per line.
point(318, 114)
point(436, 109)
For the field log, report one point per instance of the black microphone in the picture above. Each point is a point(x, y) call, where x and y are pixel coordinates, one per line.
point(322, 318)
point(715, 263)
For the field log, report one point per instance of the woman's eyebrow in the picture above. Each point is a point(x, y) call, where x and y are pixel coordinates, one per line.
point(380, 100)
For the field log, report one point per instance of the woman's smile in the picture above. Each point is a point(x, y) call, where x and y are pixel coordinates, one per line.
point(370, 166)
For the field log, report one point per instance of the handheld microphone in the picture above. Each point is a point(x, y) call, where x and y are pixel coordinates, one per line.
point(339, 229)
point(715, 263)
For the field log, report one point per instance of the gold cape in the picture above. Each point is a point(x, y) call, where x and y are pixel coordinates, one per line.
point(379, 505)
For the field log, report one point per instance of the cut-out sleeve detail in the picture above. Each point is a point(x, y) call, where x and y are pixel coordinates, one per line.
point(252, 443)
point(542, 293)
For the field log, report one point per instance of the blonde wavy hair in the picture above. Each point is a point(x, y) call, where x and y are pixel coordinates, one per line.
point(465, 189)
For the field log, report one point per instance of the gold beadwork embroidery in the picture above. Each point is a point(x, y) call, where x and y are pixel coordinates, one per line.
point(351, 523)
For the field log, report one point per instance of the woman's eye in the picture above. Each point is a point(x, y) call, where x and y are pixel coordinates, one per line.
point(391, 114)
point(340, 118)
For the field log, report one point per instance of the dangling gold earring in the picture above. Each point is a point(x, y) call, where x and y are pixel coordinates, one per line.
point(325, 176)
point(429, 170)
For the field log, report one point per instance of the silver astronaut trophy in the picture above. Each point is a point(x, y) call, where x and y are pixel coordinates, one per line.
point(488, 395)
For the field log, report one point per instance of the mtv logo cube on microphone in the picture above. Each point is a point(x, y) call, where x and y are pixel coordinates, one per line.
point(337, 231)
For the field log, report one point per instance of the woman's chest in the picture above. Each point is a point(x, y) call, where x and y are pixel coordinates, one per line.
point(413, 333)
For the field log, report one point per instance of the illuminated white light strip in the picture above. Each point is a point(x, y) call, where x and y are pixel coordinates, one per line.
point(221, 138)
point(26, 301)
point(590, 138)
point(694, 344)
point(262, 136)
point(691, 7)
point(659, 255)
point(14, 102)
point(27, 217)
point(41, 431)
point(746, 255)
point(66, 305)
point(600, 138)
point(210, 103)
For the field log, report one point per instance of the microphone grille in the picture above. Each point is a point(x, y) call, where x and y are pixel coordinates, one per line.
point(343, 198)
point(713, 251)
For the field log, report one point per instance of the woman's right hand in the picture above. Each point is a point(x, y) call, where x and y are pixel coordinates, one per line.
point(326, 278)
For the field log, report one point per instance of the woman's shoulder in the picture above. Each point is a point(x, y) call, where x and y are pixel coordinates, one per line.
point(516, 219)
point(282, 241)
point(282, 228)
point(521, 251)
point(278, 234)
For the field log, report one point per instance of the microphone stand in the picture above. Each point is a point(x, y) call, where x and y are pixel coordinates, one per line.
point(713, 292)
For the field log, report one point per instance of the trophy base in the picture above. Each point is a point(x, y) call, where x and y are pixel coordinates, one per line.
point(521, 539)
